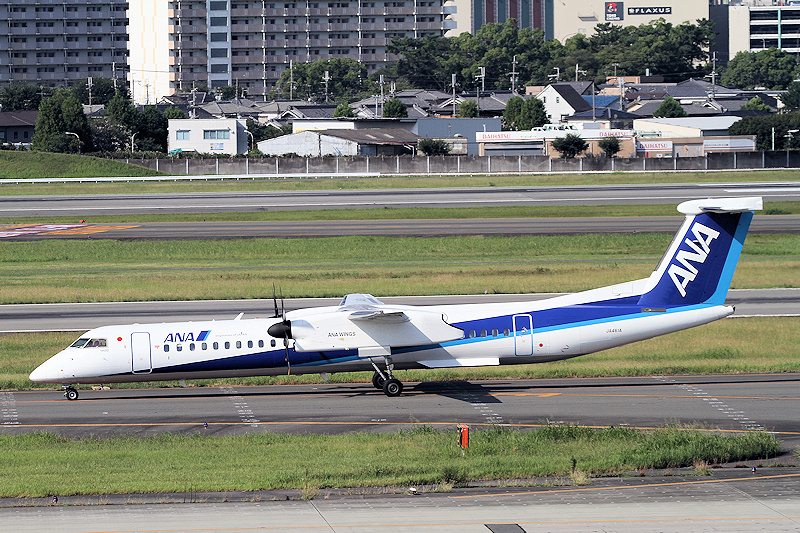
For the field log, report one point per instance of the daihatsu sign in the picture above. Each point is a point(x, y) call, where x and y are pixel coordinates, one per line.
point(546, 134)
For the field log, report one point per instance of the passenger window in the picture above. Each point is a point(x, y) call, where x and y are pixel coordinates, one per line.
point(506, 332)
point(483, 333)
point(166, 347)
point(472, 334)
point(249, 344)
point(204, 346)
point(272, 343)
point(216, 345)
point(261, 344)
point(191, 346)
point(179, 347)
point(227, 345)
point(494, 333)
point(238, 344)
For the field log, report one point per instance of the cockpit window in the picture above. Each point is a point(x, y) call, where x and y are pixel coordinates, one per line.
point(89, 343)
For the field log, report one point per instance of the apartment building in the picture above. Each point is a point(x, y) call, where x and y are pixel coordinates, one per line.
point(755, 27)
point(57, 42)
point(249, 43)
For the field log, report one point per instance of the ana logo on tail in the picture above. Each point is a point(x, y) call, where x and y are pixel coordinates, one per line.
point(681, 276)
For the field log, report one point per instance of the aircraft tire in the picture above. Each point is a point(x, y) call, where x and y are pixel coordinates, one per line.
point(393, 387)
point(377, 381)
point(71, 394)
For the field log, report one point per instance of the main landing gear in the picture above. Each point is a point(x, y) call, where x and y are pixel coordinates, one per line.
point(384, 381)
point(70, 393)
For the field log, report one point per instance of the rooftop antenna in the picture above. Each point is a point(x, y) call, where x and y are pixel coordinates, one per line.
point(482, 77)
point(555, 76)
point(713, 74)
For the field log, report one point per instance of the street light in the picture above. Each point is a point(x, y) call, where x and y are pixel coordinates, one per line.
point(77, 137)
point(252, 140)
point(132, 145)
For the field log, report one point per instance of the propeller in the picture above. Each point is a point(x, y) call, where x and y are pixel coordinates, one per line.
point(282, 329)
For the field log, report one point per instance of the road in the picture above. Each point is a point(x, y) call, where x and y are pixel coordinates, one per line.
point(84, 316)
point(86, 206)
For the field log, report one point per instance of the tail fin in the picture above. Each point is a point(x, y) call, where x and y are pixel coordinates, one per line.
point(699, 263)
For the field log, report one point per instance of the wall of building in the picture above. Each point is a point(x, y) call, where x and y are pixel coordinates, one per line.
point(222, 43)
point(194, 135)
point(754, 28)
point(59, 43)
point(149, 76)
point(571, 17)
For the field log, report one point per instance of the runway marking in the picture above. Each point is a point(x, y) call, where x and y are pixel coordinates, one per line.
point(575, 395)
point(8, 405)
point(737, 416)
point(18, 230)
point(245, 413)
point(88, 230)
point(598, 489)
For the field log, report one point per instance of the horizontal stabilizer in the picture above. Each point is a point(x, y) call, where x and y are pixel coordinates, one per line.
point(721, 205)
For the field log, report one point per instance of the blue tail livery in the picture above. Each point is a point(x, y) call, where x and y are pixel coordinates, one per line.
point(687, 289)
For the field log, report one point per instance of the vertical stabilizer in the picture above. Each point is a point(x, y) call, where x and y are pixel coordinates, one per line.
point(699, 264)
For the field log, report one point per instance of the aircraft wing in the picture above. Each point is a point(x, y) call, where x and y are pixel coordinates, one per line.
point(364, 323)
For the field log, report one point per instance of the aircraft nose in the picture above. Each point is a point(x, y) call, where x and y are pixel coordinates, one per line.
point(47, 371)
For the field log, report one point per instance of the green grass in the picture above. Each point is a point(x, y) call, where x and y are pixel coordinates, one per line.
point(32, 165)
point(731, 346)
point(38, 465)
point(106, 270)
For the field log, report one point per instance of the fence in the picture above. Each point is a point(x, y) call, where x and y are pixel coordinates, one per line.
point(363, 165)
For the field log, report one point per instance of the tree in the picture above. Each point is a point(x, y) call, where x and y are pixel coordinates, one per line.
point(102, 90)
point(756, 104)
point(533, 114)
point(570, 145)
point(791, 98)
point(762, 127)
point(610, 145)
point(468, 109)
point(23, 96)
point(173, 112)
point(59, 114)
point(229, 92)
point(344, 110)
point(395, 108)
point(152, 130)
point(429, 146)
point(669, 108)
point(121, 109)
point(771, 68)
point(512, 112)
point(261, 131)
point(347, 78)
point(109, 136)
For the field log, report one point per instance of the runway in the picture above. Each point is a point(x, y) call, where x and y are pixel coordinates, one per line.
point(86, 206)
point(724, 402)
point(84, 316)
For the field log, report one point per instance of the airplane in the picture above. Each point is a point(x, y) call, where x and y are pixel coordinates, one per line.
point(688, 288)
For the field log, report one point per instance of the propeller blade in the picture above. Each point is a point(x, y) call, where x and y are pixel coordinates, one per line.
point(286, 346)
point(275, 301)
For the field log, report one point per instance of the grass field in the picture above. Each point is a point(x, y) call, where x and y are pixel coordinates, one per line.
point(30, 165)
point(38, 465)
point(45, 271)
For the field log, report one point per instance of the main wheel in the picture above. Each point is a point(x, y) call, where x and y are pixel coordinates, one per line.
point(377, 381)
point(71, 394)
point(392, 387)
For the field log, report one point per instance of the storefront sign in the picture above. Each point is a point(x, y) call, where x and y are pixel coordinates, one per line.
point(614, 11)
point(650, 146)
point(649, 10)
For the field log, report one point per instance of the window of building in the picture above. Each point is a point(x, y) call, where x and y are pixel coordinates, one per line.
point(218, 6)
point(219, 37)
point(219, 69)
point(218, 21)
point(219, 52)
point(217, 134)
point(182, 135)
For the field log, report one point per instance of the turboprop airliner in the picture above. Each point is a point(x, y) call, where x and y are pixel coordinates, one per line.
point(687, 289)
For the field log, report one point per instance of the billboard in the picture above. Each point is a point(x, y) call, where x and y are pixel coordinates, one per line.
point(614, 11)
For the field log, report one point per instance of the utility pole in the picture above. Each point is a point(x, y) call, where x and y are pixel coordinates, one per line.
point(326, 78)
point(381, 84)
point(555, 76)
point(453, 83)
point(291, 79)
point(514, 75)
point(621, 85)
point(713, 74)
point(482, 77)
point(615, 65)
point(114, 74)
point(578, 71)
point(89, 87)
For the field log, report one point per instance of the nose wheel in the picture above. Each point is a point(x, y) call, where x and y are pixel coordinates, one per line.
point(70, 393)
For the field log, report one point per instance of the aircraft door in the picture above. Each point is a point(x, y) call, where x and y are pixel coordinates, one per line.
point(140, 353)
point(523, 334)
